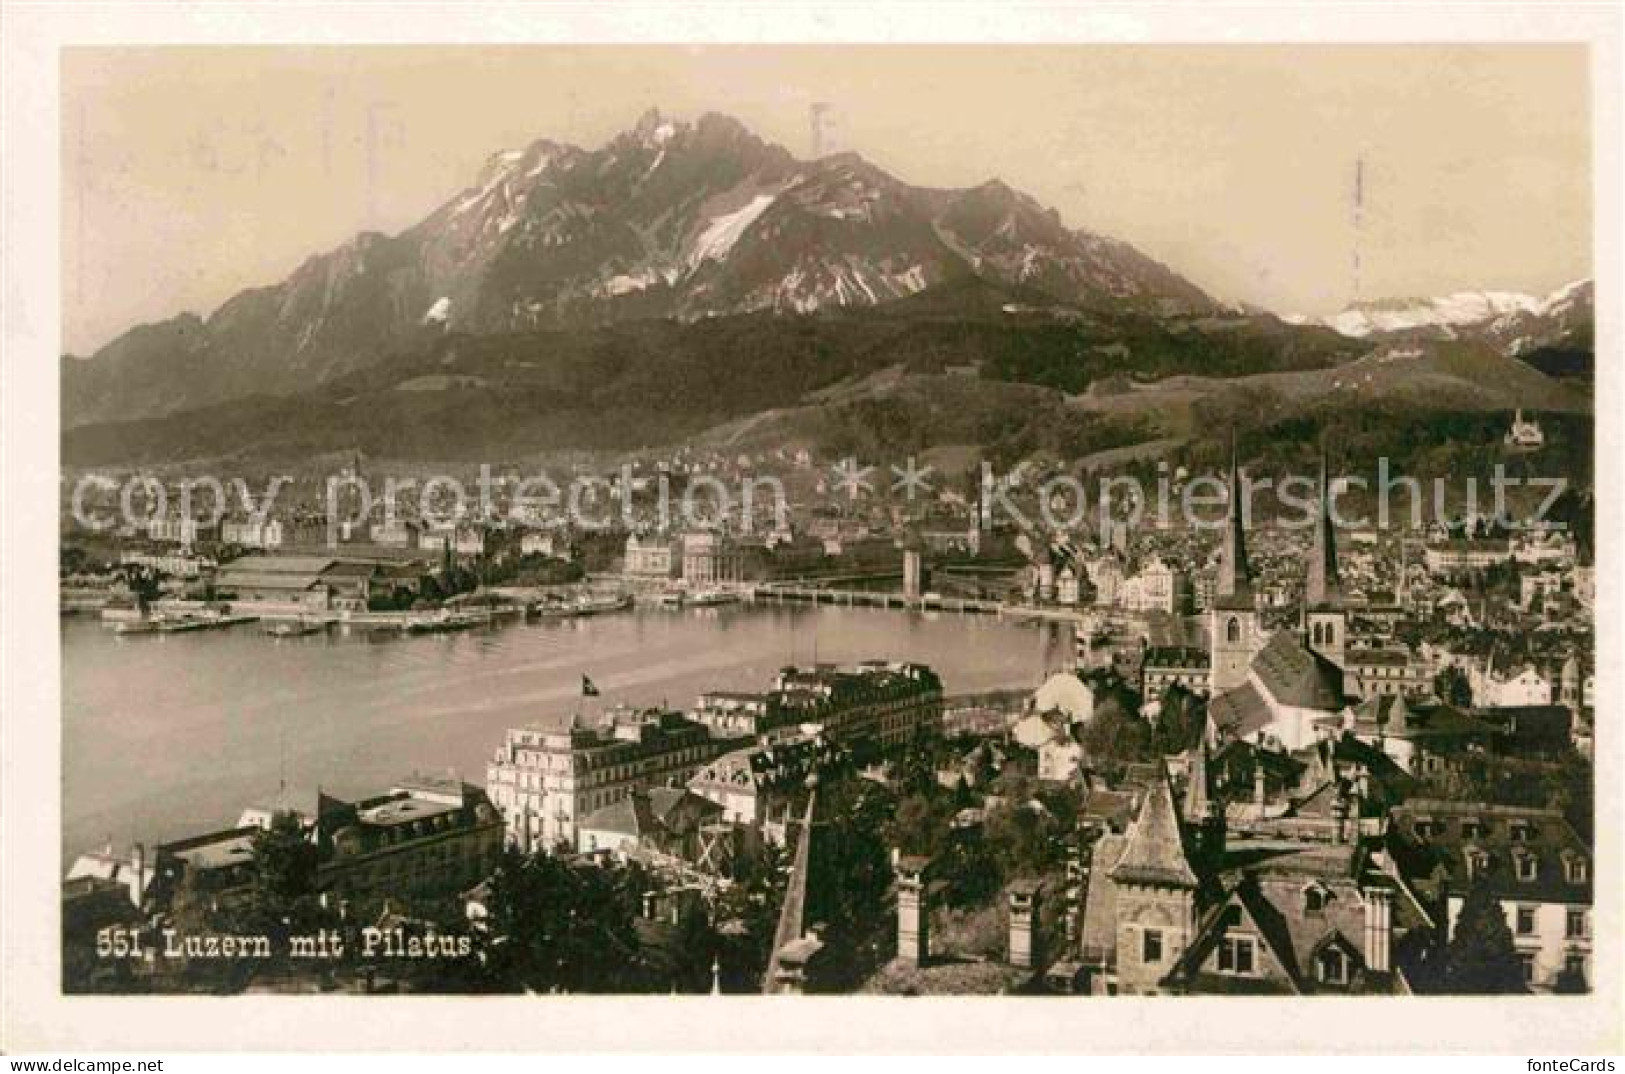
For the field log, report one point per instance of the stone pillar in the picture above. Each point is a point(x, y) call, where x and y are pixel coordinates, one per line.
point(911, 574)
point(913, 910)
point(1024, 899)
point(1379, 932)
point(795, 966)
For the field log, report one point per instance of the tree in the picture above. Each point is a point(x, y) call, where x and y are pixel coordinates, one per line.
point(920, 825)
point(285, 863)
point(1481, 959)
point(1453, 687)
point(1182, 720)
point(1116, 736)
point(558, 925)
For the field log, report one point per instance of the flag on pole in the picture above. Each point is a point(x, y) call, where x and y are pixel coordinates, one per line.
point(588, 688)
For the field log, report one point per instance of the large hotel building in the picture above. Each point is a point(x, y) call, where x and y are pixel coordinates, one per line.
point(545, 779)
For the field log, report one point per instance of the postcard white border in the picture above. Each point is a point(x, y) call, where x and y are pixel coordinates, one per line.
point(35, 1016)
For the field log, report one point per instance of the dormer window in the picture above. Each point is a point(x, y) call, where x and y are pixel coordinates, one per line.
point(1522, 832)
point(1332, 967)
point(1575, 870)
point(1472, 829)
point(1315, 898)
point(1528, 866)
point(1478, 863)
point(1237, 955)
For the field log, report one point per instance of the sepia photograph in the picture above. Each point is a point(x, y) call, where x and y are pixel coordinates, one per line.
point(1063, 521)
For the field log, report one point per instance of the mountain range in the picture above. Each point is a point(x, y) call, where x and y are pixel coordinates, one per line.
point(666, 220)
point(691, 280)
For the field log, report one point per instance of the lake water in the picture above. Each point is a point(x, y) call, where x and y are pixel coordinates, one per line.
point(169, 735)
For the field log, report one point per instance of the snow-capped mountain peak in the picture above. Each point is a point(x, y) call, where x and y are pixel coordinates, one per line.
point(668, 219)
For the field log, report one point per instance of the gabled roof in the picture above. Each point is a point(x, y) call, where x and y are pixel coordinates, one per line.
point(1114, 809)
point(279, 564)
point(1240, 712)
point(1547, 836)
point(631, 816)
point(1155, 849)
point(1248, 910)
point(1293, 674)
point(1395, 717)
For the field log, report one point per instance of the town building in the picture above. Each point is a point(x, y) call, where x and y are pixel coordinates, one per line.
point(1466, 555)
point(710, 558)
point(1535, 864)
point(1182, 903)
point(422, 836)
point(1106, 575)
point(544, 779)
point(876, 703)
point(1163, 667)
point(1523, 433)
point(666, 822)
point(1497, 683)
point(252, 533)
point(653, 557)
point(756, 785)
point(1424, 737)
point(399, 533)
point(175, 564)
point(313, 583)
point(1156, 587)
point(1390, 671)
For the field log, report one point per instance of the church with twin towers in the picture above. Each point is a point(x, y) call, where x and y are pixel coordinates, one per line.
point(1283, 687)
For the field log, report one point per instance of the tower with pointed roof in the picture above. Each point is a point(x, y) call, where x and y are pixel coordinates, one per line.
point(1325, 619)
point(1233, 624)
point(1156, 890)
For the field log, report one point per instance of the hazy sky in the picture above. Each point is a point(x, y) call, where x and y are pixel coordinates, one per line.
point(191, 173)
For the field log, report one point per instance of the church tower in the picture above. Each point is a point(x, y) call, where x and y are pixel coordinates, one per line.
point(1156, 891)
point(1325, 620)
point(1233, 626)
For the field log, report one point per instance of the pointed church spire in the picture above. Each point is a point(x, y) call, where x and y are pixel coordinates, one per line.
point(1321, 588)
point(1155, 851)
point(1234, 588)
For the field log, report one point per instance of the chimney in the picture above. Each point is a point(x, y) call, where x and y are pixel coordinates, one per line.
point(1024, 899)
point(913, 909)
point(138, 862)
point(1258, 786)
point(1379, 933)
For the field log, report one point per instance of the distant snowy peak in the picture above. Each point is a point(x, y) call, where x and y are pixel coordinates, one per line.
point(1462, 308)
point(1487, 310)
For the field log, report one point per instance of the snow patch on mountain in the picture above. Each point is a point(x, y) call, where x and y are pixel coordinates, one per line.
point(632, 282)
point(724, 231)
